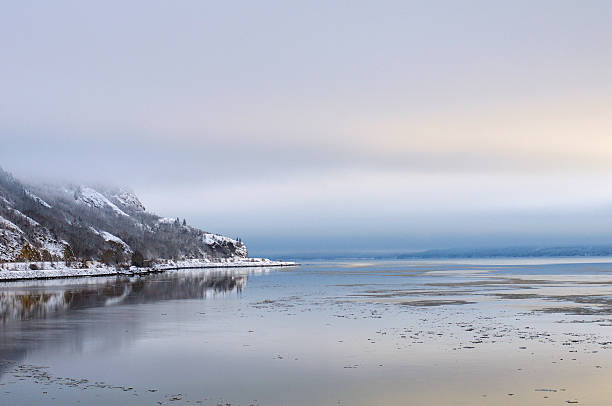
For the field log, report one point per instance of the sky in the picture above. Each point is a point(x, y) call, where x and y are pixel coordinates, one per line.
point(323, 125)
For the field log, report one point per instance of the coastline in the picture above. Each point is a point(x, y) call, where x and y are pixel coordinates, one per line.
point(59, 270)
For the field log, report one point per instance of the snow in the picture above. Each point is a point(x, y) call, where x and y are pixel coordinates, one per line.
point(20, 270)
point(37, 199)
point(31, 221)
point(9, 225)
point(211, 239)
point(10, 240)
point(221, 263)
point(129, 199)
point(215, 238)
point(93, 198)
point(55, 248)
point(166, 220)
point(109, 237)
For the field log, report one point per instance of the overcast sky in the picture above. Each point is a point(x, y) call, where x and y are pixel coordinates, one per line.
point(323, 125)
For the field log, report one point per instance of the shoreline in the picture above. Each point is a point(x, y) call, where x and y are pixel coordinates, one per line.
point(61, 271)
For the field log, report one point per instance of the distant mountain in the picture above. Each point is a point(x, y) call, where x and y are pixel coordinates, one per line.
point(513, 252)
point(83, 222)
point(458, 253)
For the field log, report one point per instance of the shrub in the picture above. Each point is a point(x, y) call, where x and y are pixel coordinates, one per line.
point(108, 257)
point(68, 255)
point(29, 253)
point(46, 256)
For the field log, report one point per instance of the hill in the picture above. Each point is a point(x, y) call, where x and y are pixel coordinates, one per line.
point(82, 222)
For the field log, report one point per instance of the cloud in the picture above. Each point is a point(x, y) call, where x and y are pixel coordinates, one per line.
point(315, 117)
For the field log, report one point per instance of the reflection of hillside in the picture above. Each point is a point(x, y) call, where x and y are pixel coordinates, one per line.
point(41, 300)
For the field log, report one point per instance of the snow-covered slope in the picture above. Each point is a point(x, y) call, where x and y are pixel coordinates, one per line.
point(14, 239)
point(128, 200)
point(93, 198)
point(215, 239)
point(37, 199)
point(10, 240)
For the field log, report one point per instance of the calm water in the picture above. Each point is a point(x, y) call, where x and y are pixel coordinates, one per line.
point(327, 333)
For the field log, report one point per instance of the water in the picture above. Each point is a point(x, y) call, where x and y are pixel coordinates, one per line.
point(326, 333)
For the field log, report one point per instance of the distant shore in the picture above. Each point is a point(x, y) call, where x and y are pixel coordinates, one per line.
point(16, 271)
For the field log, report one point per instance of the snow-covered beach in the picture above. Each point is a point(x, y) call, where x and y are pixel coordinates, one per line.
point(14, 271)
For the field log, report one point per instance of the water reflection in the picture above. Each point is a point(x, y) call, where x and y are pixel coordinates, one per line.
point(43, 299)
point(30, 309)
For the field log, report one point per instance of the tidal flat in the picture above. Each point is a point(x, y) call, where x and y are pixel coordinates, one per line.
point(436, 332)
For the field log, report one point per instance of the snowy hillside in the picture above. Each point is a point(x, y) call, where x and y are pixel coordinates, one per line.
point(95, 223)
point(95, 199)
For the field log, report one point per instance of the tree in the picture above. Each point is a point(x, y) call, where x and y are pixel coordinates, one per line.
point(137, 259)
point(68, 255)
point(108, 257)
point(46, 256)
